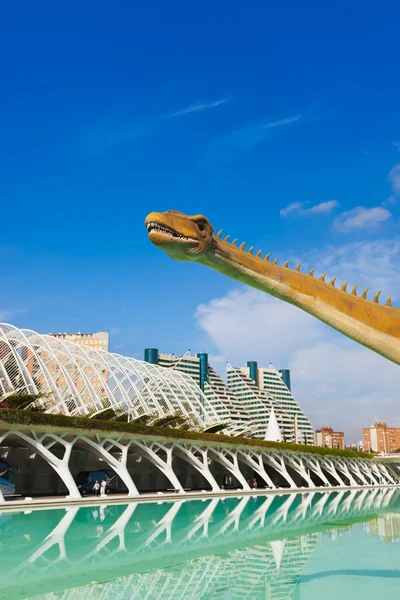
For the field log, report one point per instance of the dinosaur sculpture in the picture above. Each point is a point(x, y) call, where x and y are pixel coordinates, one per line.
point(366, 321)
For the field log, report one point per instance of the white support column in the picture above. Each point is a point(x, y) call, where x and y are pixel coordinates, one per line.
point(356, 467)
point(234, 516)
point(388, 474)
point(202, 521)
point(315, 466)
point(165, 525)
point(329, 466)
point(297, 464)
point(335, 504)
point(345, 469)
point(102, 450)
point(373, 472)
point(221, 455)
point(301, 510)
point(318, 507)
point(149, 451)
point(57, 536)
point(1, 497)
point(60, 466)
point(118, 530)
point(283, 511)
point(261, 513)
point(255, 461)
point(276, 461)
point(198, 458)
point(381, 473)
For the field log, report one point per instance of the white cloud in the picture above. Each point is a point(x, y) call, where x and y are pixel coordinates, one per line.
point(375, 264)
point(116, 130)
point(281, 122)
point(337, 381)
point(300, 208)
point(394, 178)
point(241, 140)
point(290, 208)
point(8, 313)
point(361, 218)
point(198, 107)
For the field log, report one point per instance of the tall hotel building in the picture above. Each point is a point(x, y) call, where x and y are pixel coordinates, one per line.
point(256, 402)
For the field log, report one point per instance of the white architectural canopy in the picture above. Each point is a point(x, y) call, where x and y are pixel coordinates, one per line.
point(79, 380)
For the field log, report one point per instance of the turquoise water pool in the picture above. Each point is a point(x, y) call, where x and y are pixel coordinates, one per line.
point(293, 546)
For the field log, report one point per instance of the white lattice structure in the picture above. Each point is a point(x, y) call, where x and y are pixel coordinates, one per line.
point(83, 381)
point(275, 469)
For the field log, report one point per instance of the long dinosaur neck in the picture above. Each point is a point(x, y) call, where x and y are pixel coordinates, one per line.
point(367, 322)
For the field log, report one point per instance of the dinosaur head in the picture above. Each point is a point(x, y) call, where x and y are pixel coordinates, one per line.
point(180, 236)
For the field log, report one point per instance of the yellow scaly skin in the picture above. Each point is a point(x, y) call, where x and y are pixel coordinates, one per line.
point(366, 321)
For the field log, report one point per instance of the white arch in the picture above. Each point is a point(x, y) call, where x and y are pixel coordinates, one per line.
point(80, 380)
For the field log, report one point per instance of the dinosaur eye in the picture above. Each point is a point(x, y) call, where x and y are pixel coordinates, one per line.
point(201, 225)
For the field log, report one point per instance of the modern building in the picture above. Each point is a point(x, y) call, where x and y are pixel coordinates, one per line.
point(248, 399)
point(277, 384)
point(97, 341)
point(262, 389)
point(191, 365)
point(381, 438)
point(327, 438)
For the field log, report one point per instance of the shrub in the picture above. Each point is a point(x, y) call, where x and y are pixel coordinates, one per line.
point(27, 418)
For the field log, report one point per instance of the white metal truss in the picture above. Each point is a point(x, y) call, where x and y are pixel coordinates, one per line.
point(297, 470)
point(79, 380)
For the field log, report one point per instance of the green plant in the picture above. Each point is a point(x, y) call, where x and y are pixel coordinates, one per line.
point(26, 418)
point(21, 401)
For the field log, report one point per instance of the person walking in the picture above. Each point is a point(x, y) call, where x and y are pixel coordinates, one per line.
point(103, 487)
point(96, 488)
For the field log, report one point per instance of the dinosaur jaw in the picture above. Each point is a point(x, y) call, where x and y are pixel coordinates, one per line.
point(160, 233)
point(175, 244)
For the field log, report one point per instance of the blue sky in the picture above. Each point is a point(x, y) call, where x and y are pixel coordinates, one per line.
point(279, 121)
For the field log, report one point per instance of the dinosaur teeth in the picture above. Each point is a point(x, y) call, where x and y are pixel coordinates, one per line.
point(158, 228)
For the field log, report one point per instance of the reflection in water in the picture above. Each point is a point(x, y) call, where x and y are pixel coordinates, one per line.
point(249, 547)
